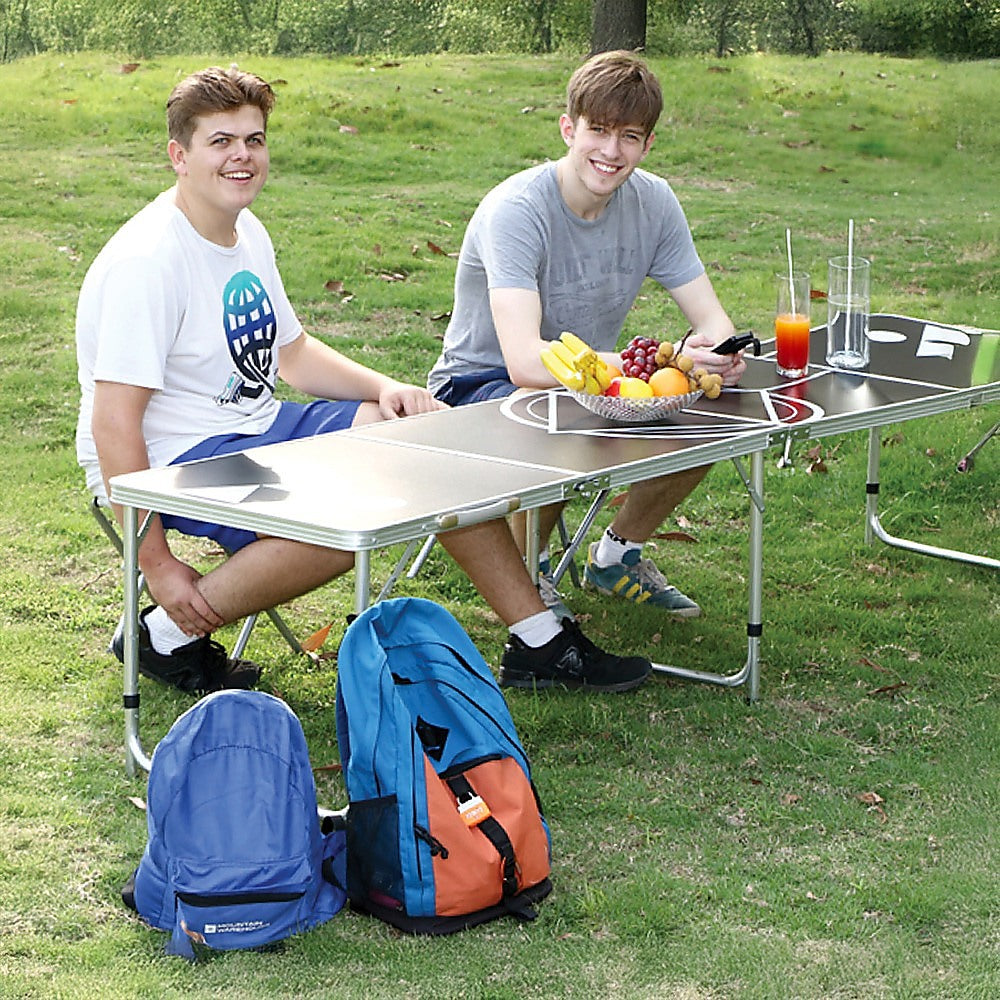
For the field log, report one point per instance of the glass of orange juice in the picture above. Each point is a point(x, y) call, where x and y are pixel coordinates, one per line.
point(791, 323)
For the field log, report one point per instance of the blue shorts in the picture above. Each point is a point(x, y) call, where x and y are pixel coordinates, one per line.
point(490, 383)
point(294, 420)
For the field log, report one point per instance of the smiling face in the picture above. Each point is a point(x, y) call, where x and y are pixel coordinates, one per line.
point(599, 159)
point(221, 170)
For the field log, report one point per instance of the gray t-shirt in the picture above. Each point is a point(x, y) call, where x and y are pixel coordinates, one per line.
point(587, 273)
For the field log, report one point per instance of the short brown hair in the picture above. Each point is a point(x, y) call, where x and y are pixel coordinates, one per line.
point(615, 88)
point(210, 91)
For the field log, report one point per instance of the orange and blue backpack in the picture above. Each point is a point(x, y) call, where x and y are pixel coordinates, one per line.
point(445, 829)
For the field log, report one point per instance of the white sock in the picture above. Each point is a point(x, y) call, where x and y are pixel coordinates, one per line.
point(537, 629)
point(164, 634)
point(611, 549)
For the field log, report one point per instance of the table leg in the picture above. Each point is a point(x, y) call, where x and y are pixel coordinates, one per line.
point(874, 529)
point(749, 673)
point(135, 756)
point(532, 543)
point(362, 580)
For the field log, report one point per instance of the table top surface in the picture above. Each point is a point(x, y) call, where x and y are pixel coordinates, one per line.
point(394, 481)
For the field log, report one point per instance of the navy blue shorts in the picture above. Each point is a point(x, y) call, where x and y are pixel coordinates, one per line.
point(294, 420)
point(490, 383)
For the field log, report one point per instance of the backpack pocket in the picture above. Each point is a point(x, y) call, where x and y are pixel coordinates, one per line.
point(497, 851)
point(235, 906)
point(374, 871)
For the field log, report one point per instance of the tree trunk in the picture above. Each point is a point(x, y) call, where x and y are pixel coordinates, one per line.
point(618, 24)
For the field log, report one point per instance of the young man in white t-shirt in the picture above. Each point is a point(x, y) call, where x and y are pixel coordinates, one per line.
point(183, 327)
point(567, 246)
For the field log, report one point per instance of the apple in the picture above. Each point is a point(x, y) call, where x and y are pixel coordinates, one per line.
point(614, 388)
point(635, 388)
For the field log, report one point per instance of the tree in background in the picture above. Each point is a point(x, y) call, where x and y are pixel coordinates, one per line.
point(618, 24)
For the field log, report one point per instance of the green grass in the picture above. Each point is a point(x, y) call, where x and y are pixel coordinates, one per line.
point(702, 848)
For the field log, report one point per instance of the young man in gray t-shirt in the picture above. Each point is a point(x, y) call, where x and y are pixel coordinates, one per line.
point(567, 246)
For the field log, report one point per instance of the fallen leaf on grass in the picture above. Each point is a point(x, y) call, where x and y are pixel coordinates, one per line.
point(874, 803)
point(349, 129)
point(865, 662)
point(128, 67)
point(790, 799)
point(675, 536)
point(328, 767)
point(889, 688)
point(137, 802)
point(313, 642)
point(817, 293)
point(434, 248)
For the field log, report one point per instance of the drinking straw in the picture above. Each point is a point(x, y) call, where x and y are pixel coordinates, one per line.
point(850, 269)
point(791, 283)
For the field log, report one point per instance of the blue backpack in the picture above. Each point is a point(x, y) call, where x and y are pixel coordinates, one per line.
point(235, 856)
point(444, 826)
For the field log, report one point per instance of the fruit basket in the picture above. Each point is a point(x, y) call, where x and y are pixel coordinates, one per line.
point(628, 410)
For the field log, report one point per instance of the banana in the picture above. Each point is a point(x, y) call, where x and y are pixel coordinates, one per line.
point(574, 343)
point(561, 351)
point(561, 372)
point(575, 364)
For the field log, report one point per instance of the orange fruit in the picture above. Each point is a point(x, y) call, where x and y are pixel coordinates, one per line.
point(613, 372)
point(669, 381)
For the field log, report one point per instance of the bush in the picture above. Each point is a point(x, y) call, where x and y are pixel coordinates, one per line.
point(141, 28)
point(965, 28)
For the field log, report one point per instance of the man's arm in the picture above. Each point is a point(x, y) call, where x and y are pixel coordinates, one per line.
point(315, 368)
point(710, 325)
point(517, 317)
point(121, 448)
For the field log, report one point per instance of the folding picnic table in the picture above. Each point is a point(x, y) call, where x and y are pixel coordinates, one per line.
point(402, 480)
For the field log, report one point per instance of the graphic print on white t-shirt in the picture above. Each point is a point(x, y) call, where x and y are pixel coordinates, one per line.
point(250, 332)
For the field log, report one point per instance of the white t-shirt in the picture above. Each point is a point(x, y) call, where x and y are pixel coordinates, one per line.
point(164, 308)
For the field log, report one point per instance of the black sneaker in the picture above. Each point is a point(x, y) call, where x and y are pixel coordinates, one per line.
point(569, 660)
point(198, 667)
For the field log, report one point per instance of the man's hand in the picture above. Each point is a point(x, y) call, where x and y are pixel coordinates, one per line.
point(400, 399)
point(174, 586)
point(698, 347)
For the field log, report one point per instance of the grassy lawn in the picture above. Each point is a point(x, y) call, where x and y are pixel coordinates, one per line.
point(839, 838)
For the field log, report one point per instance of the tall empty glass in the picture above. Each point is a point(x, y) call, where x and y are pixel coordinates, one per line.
point(791, 324)
point(847, 309)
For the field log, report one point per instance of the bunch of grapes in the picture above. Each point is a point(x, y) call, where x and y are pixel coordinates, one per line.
point(639, 357)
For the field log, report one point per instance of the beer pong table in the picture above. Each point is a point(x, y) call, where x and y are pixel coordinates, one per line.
point(404, 480)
